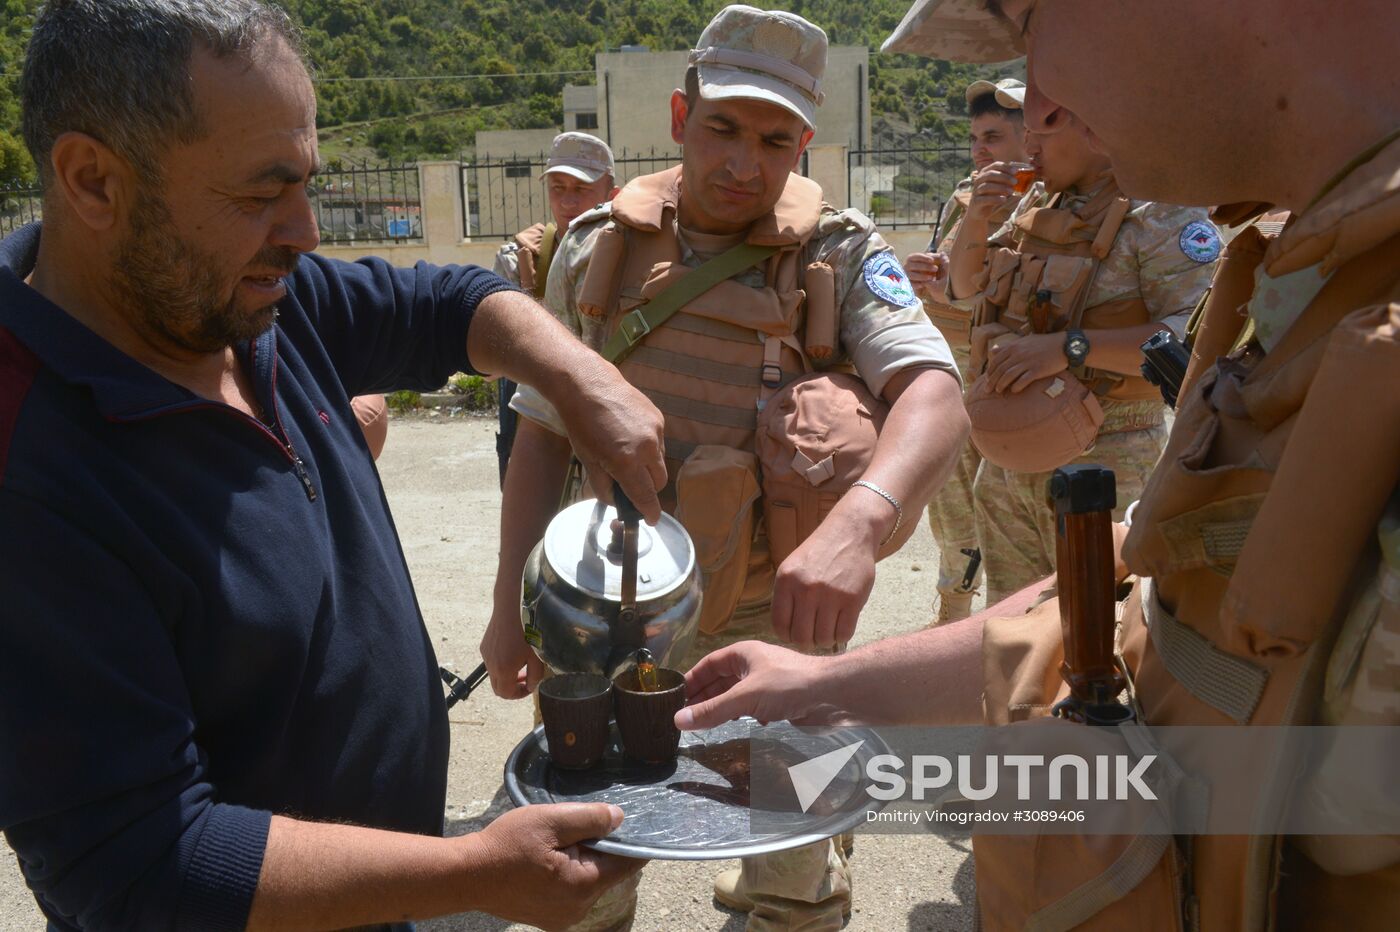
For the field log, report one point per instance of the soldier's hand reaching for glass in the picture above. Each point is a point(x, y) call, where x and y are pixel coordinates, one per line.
point(764, 681)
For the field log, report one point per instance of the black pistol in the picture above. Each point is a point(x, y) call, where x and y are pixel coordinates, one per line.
point(1165, 361)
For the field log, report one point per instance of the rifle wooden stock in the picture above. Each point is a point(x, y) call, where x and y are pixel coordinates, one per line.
point(1084, 498)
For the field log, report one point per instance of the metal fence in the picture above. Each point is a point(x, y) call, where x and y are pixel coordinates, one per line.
point(19, 206)
point(369, 204)
point(504, 195)
point(904, 188)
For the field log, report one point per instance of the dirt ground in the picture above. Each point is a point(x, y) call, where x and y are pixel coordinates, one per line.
point(440, 473)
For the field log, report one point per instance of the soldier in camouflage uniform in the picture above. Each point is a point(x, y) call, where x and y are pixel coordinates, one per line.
point(746, 113)
point(997, 133)
point(1162, 254)
point(577, 176)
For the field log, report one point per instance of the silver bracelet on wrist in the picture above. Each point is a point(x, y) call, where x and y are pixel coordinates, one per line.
point(898, 509)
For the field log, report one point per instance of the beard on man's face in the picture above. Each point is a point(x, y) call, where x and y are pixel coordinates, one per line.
point(183, 292)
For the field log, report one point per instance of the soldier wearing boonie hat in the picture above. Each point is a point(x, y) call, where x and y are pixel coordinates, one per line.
point(821, 289)
point(1240, 631)
point(962, 30)
point(578, 175)
point(996, 136)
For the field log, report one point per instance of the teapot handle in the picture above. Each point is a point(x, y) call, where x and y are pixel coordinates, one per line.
point(625, 509)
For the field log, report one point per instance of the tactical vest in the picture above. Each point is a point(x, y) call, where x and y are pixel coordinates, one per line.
point(1256, 540)
point(534, 256)
point(1042, 284)
point(712, 366)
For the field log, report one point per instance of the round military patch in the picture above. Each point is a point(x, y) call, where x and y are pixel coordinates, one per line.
point(1200, 241)
point(886, 278)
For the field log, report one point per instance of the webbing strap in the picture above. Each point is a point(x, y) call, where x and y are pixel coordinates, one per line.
point(696, 367)
point(640, 321)
point(542, 263)
point(1092, 897)
point(1229, 684)
point(704, 412)
point(686, 322)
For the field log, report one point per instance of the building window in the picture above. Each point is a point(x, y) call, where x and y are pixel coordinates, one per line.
point(518, 170)
point(587, 120)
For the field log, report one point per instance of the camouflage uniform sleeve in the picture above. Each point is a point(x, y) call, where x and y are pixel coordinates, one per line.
point(1176, 249)
point(565, 273)
point(883, 325)
point(507, 263)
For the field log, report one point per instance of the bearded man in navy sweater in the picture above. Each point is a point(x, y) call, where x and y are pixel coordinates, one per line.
point(219, 705)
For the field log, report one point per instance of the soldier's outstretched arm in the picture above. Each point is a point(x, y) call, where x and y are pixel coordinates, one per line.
point(931, 677)
point(822, 587)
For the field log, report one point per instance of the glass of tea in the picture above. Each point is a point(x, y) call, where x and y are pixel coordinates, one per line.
point(1025, 177)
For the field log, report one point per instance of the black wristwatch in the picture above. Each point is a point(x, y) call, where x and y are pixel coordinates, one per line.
point(1076, 348)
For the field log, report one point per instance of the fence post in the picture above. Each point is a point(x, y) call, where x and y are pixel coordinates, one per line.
point(440, 193)
point(826, 165)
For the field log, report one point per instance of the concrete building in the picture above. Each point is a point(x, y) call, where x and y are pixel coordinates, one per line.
point(502, 186)
point(581, 108)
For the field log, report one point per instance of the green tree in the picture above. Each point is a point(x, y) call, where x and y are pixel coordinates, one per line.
point(16, 167)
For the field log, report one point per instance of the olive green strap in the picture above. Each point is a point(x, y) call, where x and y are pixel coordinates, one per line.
point(642, 320)
point(542, 261)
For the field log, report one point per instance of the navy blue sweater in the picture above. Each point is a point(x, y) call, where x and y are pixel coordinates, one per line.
point(204, 621)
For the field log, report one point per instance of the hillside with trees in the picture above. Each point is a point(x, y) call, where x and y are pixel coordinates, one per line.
point(404, 79)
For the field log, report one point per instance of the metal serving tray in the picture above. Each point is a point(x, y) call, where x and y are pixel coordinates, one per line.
point(697, 808)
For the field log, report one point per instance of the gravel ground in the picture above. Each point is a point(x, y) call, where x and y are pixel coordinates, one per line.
point(440, 473)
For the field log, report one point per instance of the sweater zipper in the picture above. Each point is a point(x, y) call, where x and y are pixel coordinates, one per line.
point(289, 451)
point(297, 464)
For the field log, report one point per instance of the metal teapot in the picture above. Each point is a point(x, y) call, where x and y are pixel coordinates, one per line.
point(602, 583)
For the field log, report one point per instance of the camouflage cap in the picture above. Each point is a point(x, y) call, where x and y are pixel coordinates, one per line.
point(585, 157)
point(980, 88)
point(766, 55)
point(962, 30)
point(1012, 98)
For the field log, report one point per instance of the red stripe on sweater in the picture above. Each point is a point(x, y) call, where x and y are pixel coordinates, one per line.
point(17, 368)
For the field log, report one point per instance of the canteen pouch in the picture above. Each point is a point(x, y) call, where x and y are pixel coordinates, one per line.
point(1046, 425)
point(815, 437)
point(716, 491)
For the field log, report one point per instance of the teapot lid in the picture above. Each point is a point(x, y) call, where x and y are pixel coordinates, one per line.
point(577, 547)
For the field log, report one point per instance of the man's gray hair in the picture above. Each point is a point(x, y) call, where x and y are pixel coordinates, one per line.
point(118, 70)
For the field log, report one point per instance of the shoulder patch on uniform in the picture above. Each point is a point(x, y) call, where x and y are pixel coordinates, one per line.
point(886, 278)
point(1200, 241)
